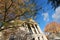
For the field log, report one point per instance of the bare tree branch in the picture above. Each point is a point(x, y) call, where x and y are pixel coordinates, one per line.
point(10, 4)
point(6, 9)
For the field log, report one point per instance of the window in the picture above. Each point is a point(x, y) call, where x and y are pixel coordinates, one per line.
point(33, 39)
point(11, 37)
point(38, 38)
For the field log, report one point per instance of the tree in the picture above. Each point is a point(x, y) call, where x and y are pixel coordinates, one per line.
point(52, 30)
point(16, 10)
point(52, 27)
point(55, 3)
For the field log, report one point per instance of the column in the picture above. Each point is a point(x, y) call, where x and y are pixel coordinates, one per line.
point(27, 28)
point(32, 30)
point(36, 29)
point(36, 38)
point(44, 38)
point(39, 29)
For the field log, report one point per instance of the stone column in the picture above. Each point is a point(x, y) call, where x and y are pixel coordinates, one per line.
point(32, 30)
point(36, 29)
point(41, 38)
point(39, 29)
point(36, 38)
point(44, 38)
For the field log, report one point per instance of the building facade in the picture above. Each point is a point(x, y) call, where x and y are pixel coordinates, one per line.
point(35, 30)
point(30, 29)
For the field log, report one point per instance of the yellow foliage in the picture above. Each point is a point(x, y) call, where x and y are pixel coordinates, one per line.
point(23, 10)
point(52, 27)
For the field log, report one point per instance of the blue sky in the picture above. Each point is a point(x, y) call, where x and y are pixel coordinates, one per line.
point(47, 14)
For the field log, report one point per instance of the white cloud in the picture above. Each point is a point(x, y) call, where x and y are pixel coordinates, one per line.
point(56, 15)
point(46, 16)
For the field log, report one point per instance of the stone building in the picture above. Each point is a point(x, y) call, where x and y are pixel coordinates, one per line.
point(53, 36)
point(28, 31)
point(35, 31)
